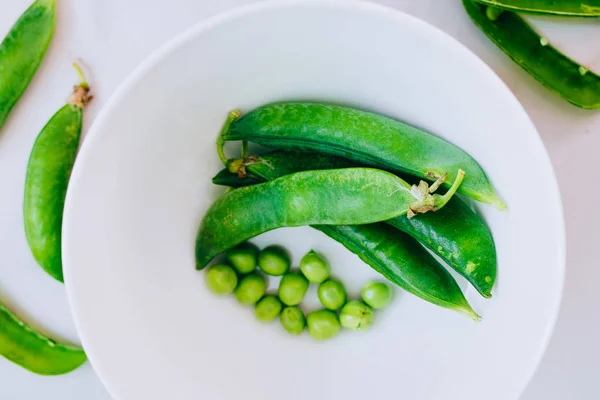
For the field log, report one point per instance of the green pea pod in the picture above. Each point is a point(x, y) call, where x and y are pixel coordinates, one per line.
point(325, 197)
point(22, 51)
point(570, 80)
point(369, 138)
point(253, 169)
point(455, 233)
point(572, 8)
point(404, 262)
point(33, 351)
point(257, 169)
point(458, 236)
point(48, 172)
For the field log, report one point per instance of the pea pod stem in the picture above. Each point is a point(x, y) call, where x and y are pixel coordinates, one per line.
point(231, 117)
point(443, 200)
point(429, 203)
point(81, 93)
point(567, 8)
point(82, 80)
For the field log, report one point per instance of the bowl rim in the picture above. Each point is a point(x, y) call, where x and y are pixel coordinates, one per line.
point(362, 6)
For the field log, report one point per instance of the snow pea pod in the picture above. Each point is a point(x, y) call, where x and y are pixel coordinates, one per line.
point(366, 137)
point(33, 351)
point(401, 260)
point(455, 233)
point(48, 172)
point(573, 8)
point(557, 72)
point(22, 51)
point(325, 197)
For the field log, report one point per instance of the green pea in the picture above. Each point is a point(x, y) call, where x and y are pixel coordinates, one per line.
point(323, 324)
point(250, 289)
point(378, 295)
point(221, 279)
point(274, 260)
point(293, 320)
point(33, 351)
point(356, 315)
point(314, 267)
point(48, 170)
point(332, 294)
point(292, 288)
point(243, 257)
point(268, 308)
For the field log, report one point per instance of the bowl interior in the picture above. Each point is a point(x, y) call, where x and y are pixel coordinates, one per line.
point(143, 181)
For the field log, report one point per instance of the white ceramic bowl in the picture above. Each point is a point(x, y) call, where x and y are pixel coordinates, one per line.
point(142, 183)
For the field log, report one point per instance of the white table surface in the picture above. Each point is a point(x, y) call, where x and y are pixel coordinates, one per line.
point(113, 36)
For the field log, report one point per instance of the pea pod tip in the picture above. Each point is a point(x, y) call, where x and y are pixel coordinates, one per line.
point(469, 312)
point(232, 116)
point(493, 200)
point(499, 204)
point(47, 3)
